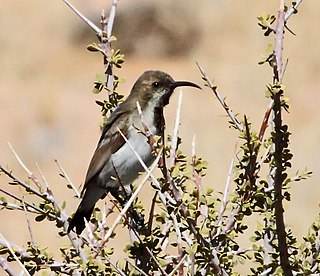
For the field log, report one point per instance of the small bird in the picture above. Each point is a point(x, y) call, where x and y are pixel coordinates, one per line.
point(114, 164)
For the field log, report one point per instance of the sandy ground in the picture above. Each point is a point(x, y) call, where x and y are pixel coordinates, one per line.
point(48, 112)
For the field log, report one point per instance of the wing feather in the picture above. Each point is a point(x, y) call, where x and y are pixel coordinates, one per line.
point(110, 141)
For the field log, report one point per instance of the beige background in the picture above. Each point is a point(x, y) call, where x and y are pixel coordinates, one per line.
point(48, 112)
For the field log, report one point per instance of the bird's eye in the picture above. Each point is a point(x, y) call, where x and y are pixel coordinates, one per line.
point(156, 84)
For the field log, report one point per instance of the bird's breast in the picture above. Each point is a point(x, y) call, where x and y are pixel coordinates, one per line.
point(125, 160)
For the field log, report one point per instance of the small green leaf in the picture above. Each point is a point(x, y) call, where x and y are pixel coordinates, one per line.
point(94, 48)
point(40, 217)
point(4, 200)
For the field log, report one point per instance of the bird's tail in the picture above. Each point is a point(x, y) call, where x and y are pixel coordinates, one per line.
point(85, 209)
point(78, 221)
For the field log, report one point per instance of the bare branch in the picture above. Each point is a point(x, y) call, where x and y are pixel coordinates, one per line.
point(47, 196)
point(29, 207)
point(114, 266)
point(7, 268)
point(179, 244)
point(195, 174)
point(111, 18)
point(178, 265)
point(106, 44)
point(28, 223)
point(287, 15)
point(30, 174)
point(292, 10)
point(85, 19)
point(279, 147)
point(2, 238)
point(225, 193)
point(175, 134)
point(137, 268)
point(156, 262)
point(233, 118)
point(64, 174)
point(22, 183)
point(165, 231)
point(279, 41)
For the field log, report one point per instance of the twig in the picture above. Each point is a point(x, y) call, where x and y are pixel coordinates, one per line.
point(196, 176)
point(279, 41)
point(44, 180)
point(165, 231)
point(111, 18)
point(266, 272)
point(21, 252)
point(30, 174)
point(22, 183)
point(28, 223)
point(64, 174)
point(233, 118)
point(178, 265)
point(231, 220)
point(265, 120)
point(7, 268)
point(114, 266)
point(137, 268)
point(85, 19)
point(106, 212)
point(292, 10)
point(287, 15)
point(156, 262)
point(226, 193)
point(151, 212)
point(146, 130)
point(106, 44)
point(267, 243)
point(18, 250)
point(175, 134)
point(174, 146)
point(14, 255)
point(188, 240)
point(62, 218)
point(179, 243)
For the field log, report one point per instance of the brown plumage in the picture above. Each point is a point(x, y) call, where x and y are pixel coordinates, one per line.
point(113, 161)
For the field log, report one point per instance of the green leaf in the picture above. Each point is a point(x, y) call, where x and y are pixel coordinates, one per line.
point(4, 200)
point(40, 217)
point(94, 48)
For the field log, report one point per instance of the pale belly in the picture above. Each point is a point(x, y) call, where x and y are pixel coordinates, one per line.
point(126, 163)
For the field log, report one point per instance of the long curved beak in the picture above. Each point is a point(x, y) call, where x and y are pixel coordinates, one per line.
point(183, 83)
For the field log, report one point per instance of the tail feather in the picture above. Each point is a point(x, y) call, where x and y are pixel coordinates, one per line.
point(78, 220)
point(85, 209)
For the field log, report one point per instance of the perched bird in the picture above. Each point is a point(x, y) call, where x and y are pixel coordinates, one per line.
point(114, 164)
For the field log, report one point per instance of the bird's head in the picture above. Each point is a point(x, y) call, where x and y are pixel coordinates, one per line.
point(157, 87)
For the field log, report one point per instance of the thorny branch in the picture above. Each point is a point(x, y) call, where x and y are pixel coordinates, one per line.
point(214, 89)
point(279, 147)
point(85, 19)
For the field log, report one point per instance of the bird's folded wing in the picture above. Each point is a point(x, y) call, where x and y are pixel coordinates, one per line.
point(110, 141)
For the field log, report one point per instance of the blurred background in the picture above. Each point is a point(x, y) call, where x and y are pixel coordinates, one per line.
point(48, 112)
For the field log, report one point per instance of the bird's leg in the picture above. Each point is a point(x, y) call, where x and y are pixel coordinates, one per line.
point(122, 196)
point(137, 222)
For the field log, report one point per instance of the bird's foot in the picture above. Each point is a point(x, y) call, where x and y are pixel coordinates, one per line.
point(137, 221)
